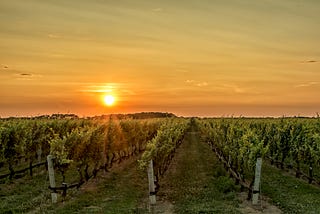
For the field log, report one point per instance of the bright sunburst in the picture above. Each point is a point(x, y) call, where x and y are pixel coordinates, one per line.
point(108, 100)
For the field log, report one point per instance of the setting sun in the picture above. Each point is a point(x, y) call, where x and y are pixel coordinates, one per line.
point(108, 100)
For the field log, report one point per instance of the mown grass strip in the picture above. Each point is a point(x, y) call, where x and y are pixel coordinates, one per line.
point(197, 183)
point(122, 190)
point(290, 194)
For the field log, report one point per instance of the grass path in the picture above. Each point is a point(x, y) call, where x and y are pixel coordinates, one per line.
point(24, 194)
point(290, 194)
point(123, 190)
point(195, 182)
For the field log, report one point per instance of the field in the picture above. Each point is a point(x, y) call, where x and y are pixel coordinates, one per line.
point(200, 165)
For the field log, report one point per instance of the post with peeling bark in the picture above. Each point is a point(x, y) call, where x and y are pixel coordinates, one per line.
point(152, 193)
point(256, 185)
point(54, 196)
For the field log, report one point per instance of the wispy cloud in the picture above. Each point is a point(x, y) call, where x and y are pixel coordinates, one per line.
point(181, 70)
point(309, 61)
point(234, 88)
point(57, 55)
point(4, 67)
point(18, 74)
point(107, 88)
point(308, 84)
point(202, 84)
point(25, 74)
point(197, 83)
point(157, 10)
point(98, 89)
point(54, 36)
point(126, 91)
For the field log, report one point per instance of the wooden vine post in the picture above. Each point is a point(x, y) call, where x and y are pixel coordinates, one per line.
point(152, 193)
point(54, 195)
point(256, 185)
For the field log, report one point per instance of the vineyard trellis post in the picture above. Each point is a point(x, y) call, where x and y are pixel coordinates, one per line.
point(54, 195)
point(152, 193)
point(256, 185)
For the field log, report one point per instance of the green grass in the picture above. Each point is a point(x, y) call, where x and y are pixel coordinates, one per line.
point(23, 195)
point(119, 191)
point(196, 182)
point(290, 194)
point(123, 190)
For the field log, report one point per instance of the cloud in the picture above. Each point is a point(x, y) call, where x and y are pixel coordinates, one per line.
point(103, 88)
point(22, 75)
point(189, 81)
point(308, 84)
point(182, 70)
point(18, 74)
point(25, 74)
point(202, 84)
point(234, 88)
point(197, 83)
point(158, 10)
point(57, 55)
point(54, 36)
point(309, 61)
point(97, 90)
point(4, 67)
point(126, 91)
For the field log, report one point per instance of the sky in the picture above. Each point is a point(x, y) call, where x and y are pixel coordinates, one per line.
point(191, 57)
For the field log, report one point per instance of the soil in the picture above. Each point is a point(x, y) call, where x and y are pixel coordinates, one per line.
point(263, 207)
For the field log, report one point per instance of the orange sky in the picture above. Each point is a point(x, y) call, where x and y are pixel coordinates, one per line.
point(192, 57)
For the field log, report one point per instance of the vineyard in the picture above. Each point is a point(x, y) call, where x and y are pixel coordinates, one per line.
point(84, 146)
point(84, 149)
point(290, 143)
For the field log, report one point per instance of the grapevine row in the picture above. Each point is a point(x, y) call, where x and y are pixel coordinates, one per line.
point(286, 141)
point(84, 145)
point(162, 147)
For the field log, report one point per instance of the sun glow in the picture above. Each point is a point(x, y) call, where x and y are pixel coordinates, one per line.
point(108, 100)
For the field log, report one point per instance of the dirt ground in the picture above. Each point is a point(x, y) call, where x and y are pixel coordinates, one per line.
point(263, 207)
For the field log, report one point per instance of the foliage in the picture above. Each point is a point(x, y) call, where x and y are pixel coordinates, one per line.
point(88, 145)
point(285, 140)
point(161, 148)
